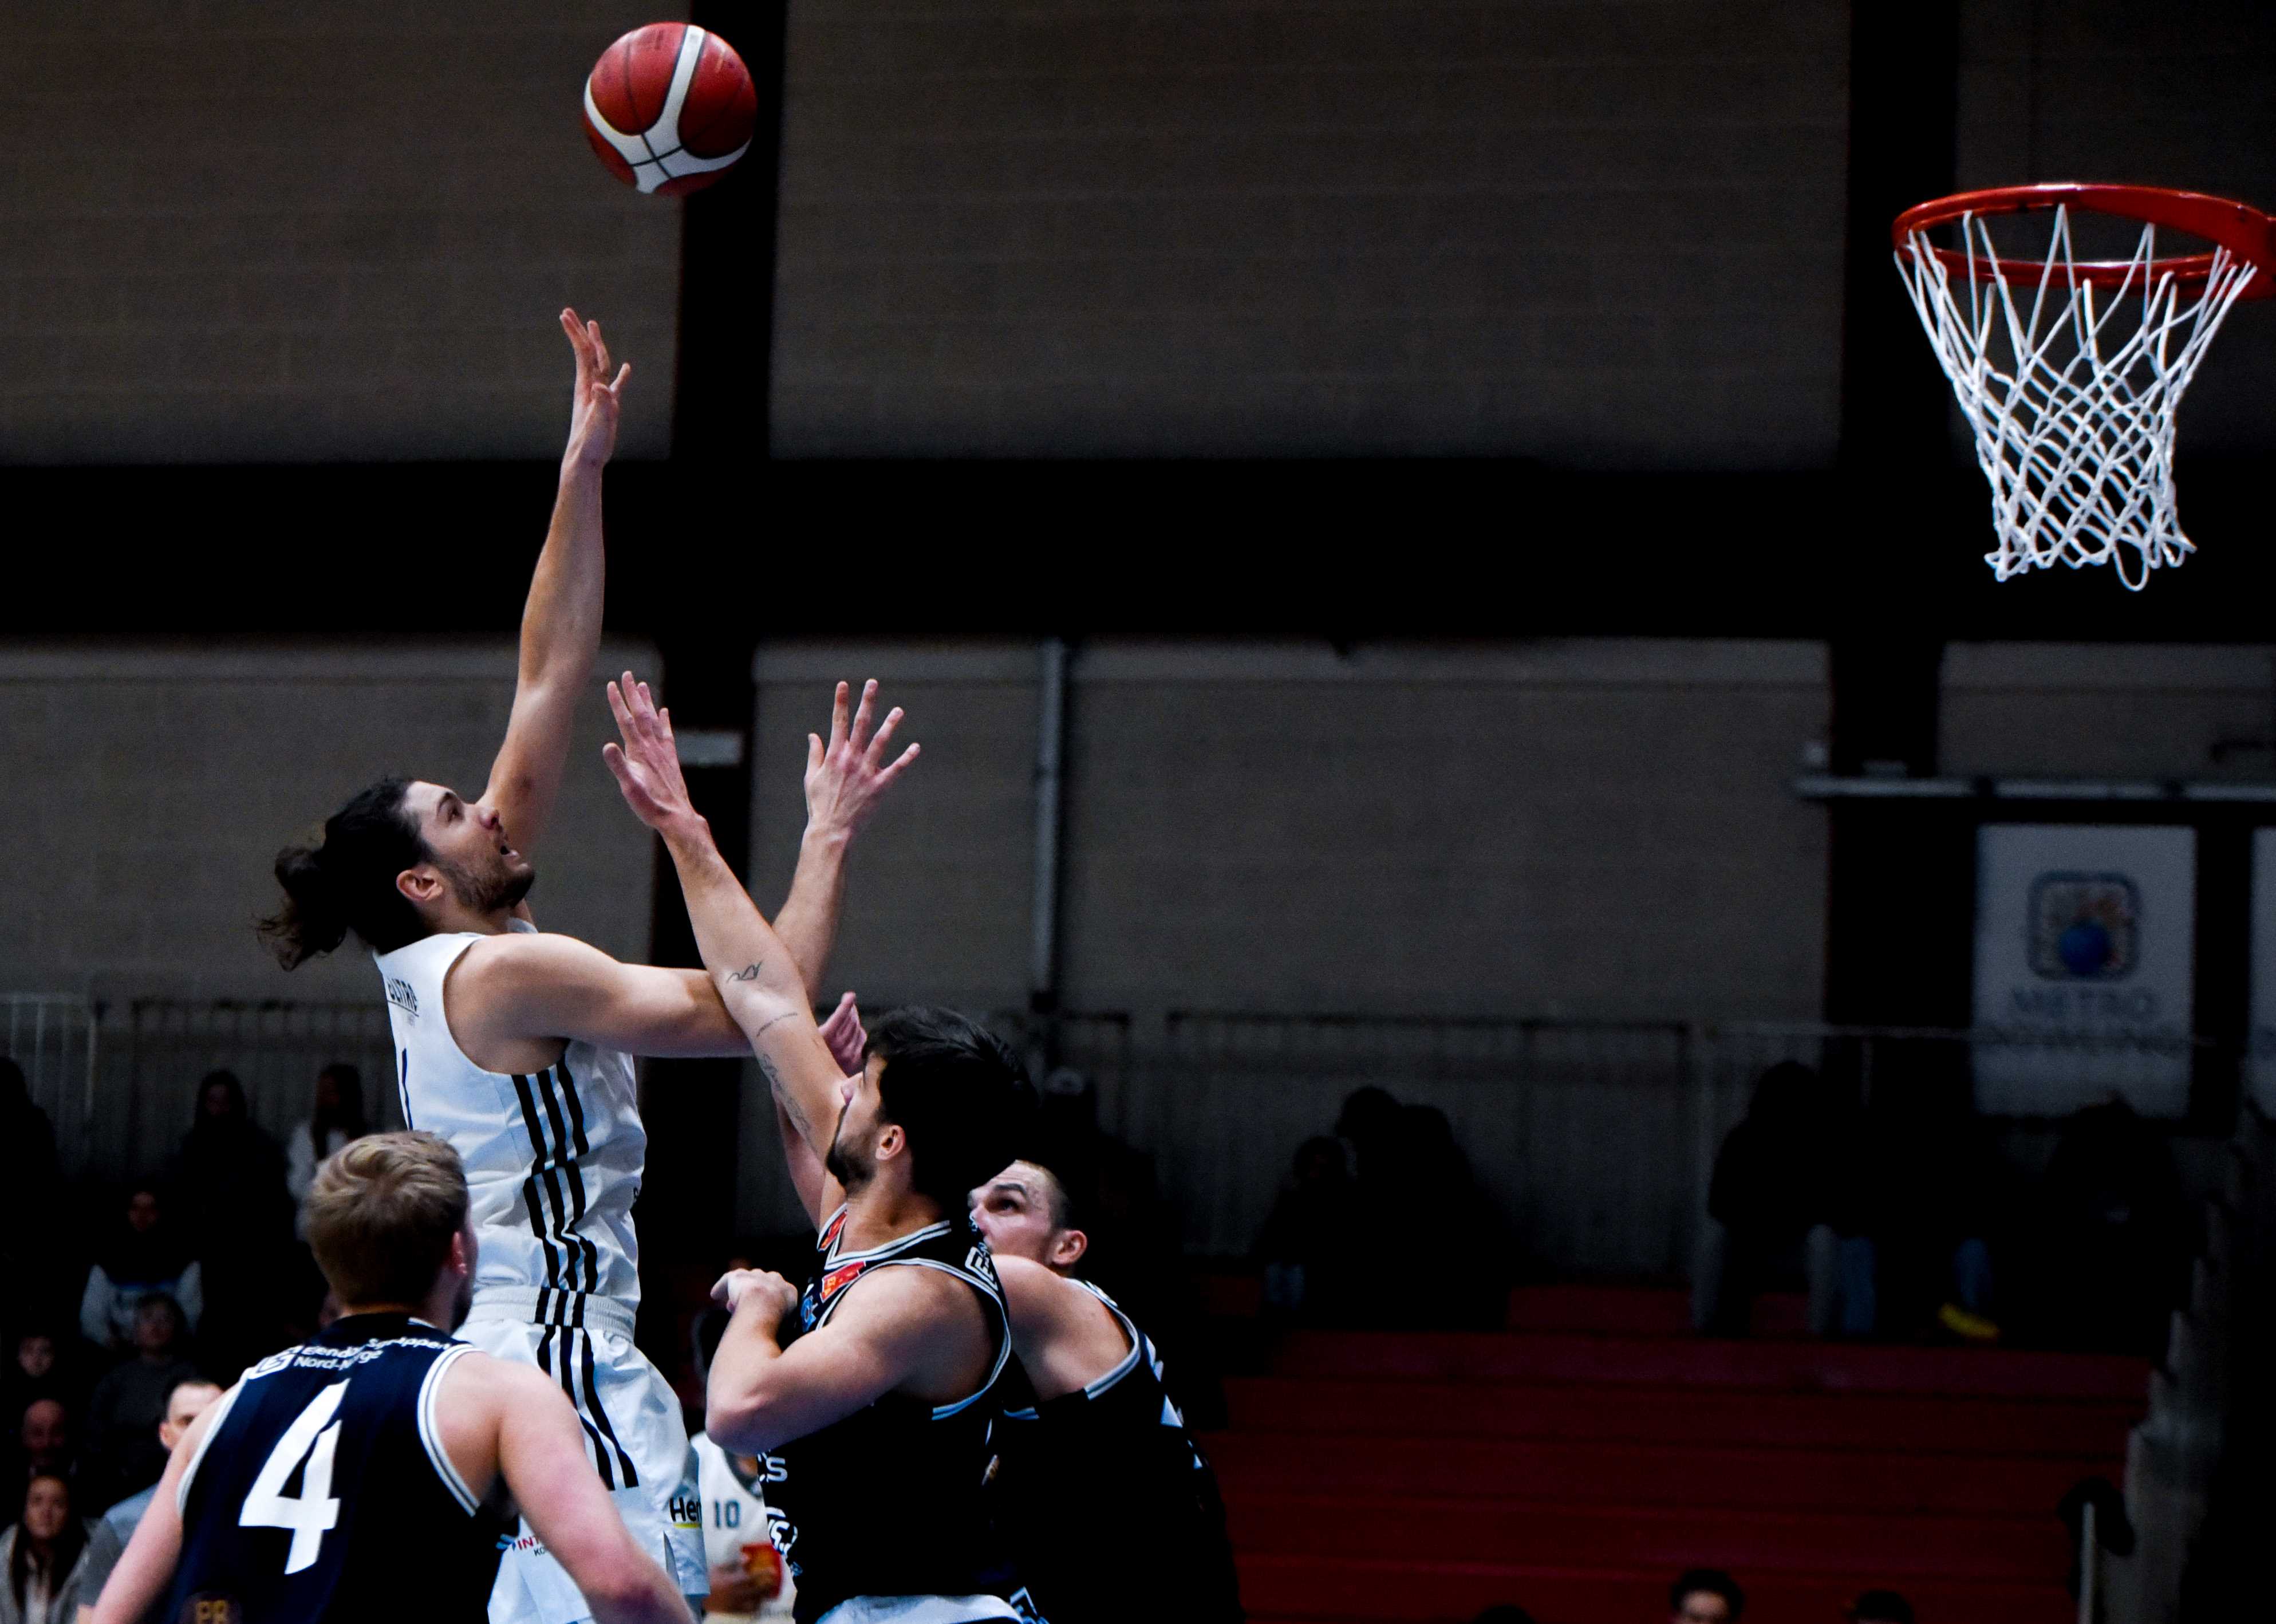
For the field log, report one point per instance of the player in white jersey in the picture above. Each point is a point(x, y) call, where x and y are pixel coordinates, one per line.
point(515, 1044)
point(749, 1583)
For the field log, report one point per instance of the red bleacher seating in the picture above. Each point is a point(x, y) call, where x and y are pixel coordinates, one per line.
point(1574, 1465)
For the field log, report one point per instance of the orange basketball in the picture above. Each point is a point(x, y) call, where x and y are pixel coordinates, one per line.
point(670, 107)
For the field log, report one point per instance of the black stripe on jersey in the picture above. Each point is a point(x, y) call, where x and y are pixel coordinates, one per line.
point(601, 1462)
point(577, 1179)
point(403, 1086)
point(593, 1397)
point(559, 1171)
point(529, 1198)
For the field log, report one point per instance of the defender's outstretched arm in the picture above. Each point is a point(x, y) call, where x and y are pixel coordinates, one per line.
point(845, 780)
point(561, 622)
point(762, 986)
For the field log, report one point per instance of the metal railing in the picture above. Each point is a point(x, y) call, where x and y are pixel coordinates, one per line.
point(57, 1038)
point(1595, 1141)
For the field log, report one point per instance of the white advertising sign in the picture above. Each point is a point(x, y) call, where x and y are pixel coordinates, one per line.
point(2085, 959)
point(2260, 1063)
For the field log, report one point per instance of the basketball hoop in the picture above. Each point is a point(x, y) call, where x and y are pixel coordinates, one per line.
point(2070, 370)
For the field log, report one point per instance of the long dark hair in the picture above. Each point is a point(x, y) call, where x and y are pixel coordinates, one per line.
point(63, 1555)
point(346, 881)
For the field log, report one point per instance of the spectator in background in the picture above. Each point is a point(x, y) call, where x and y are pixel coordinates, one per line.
point(29, 1184)
point(1705, 1596)
point(46, 1559)
point(1406, 1160)
point(146, 1255)
point(335, 1118)
point(1937, 1195)
point(42, 1444)
point(1881, 1607)
point(123, 1416)
point(1775, 1208)
point(2113, 1243)
point(1309, 1238)
point(184, 1405)
point(231, 1185)
point(33, 1374)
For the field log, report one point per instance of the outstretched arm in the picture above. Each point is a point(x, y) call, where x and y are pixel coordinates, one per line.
point(561, 622)
point(845, 780)
point(759, 982)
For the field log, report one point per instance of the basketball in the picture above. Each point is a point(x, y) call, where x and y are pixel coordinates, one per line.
point(670, 107)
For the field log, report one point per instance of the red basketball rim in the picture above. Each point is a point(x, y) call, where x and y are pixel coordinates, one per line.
point(2238, 227)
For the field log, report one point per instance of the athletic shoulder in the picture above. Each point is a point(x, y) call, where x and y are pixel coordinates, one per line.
point(1036, 1297)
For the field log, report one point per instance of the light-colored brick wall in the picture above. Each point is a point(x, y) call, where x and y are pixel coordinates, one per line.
point(1591, 828)
point(1606, 231)
point(2127, 710)
point(154, 786)
point(252, 232)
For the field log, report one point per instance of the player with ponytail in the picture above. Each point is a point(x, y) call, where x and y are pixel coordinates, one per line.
point(516, 1046)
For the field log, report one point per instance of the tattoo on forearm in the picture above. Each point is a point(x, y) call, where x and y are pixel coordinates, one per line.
point(798, 1118)
point(749, 971)
point(771, 1025)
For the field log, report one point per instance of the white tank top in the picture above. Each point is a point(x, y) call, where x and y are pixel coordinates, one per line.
point(553, 1158)
point(735, 1532)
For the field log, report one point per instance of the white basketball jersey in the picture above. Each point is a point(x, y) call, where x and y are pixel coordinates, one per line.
point(553, 1158)
point(735, 1526)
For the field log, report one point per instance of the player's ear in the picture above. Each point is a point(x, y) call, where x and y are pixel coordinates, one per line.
point(420, 885)
point(890, 1141)
point(1067, 1248)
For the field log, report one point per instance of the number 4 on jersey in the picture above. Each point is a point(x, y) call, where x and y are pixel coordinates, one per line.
point(309, 1514)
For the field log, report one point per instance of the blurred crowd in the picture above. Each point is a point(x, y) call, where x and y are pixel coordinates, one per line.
point(124, 1310)
point(1899, 1219)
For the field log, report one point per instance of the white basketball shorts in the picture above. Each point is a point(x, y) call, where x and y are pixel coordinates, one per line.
point(633, 1436)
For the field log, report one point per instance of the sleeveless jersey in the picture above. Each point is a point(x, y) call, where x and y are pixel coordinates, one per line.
point(323, 1477)
point(553, 1158)
point(1106, 1505)
point(887, 1502)
point(735, 1530)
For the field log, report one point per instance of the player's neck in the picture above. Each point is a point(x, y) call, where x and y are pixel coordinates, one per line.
point(880, 1213)
point(452, 920)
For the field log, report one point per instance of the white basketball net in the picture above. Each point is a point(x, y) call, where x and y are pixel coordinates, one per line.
point(2072, 394)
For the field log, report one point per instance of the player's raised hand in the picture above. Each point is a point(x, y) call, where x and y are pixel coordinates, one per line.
point(844, 1034)
point(593, 412)
point(848, 776)
point(762, 1291)
point(646, 763)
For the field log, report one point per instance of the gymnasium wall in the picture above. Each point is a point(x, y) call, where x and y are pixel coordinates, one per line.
point(154, 785)
point(2161, 711)
point(247, 232)
point(1600, 232)
point(2161, 95)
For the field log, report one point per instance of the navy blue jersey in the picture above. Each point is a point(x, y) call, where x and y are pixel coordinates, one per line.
point(887, 1501)
point(322, 1490)
point(1108, 1508)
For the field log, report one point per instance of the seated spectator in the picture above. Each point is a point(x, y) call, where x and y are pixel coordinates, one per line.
point(123, 1416)
point(42, 1444)
point(29, 1183)
point(1881, 1607)
point(46, 1558)
point(184, 1405)
point(335, 1118)
point(231, 1185)
point(1776, 1208)
point(1307, 1242)
point(1937, 1196)
point(33, 1373)
point(146, 1255)
point(1705, 1596)
point(2112, 1243)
